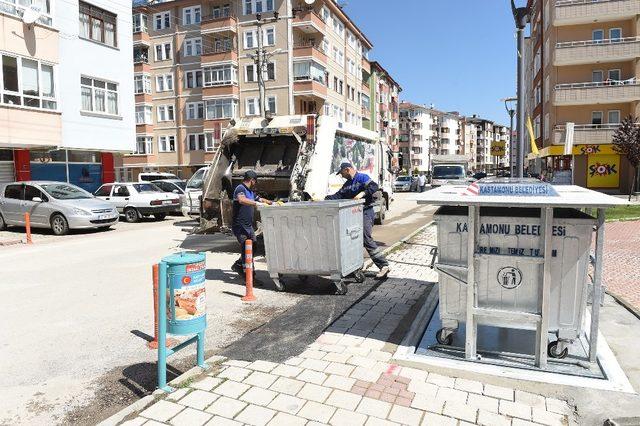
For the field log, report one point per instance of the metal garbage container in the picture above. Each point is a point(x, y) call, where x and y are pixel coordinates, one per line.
point(523, 249)
point(322, 238)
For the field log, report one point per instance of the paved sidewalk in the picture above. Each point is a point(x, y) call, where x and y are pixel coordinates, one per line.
point(347, 376)
point(622, 261)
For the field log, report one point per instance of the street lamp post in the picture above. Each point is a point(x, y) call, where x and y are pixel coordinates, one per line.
point(521, 18)
point(508, 105)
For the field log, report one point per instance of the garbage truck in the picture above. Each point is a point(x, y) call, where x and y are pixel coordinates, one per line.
point(449, 169)
point(296, 158)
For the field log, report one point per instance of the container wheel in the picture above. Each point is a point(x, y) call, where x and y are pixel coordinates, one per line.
point(379, 220)
point(552, 351)
point(341, 288)
point(359, 276)
point(279, 284)
point(443, 338)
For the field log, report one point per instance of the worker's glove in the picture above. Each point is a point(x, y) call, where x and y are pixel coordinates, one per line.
point(279, 203)
point(359, 196)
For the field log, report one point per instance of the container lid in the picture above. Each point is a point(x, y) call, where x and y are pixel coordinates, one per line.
point(313, 204)
point(184, 258)
point(517, 193)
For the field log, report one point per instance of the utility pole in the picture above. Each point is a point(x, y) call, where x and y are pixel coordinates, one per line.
point(521, 18)
point(512, 147)
point(260, 67)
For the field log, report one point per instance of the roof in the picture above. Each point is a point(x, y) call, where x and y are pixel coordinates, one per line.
point(376, 64)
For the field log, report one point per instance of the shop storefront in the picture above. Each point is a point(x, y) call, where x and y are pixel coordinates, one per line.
point(595, 166)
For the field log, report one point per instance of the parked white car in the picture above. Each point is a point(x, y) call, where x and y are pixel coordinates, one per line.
point(57, 205)
point(193, 193)
point(137, 200)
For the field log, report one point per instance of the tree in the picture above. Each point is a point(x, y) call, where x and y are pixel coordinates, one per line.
point(626, 141)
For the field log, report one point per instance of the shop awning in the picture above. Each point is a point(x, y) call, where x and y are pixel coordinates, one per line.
point(558, 150)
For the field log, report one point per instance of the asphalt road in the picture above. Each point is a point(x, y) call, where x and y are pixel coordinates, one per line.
point(78, 313)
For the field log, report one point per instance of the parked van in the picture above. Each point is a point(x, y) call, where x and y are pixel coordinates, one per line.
point(193, 193)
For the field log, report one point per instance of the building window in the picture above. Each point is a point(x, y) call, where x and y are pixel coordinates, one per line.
point(220, 75)
point(223, 11)
point(546, 88)
point(144, 114)
point(250, 39)
point(270, 72)
point(211, 144)
point(250, 73)
point(257, 6)
point(272, 105)
point(596, 117)
point(195, 110)
point(615, 34)
point(140, 23)
point(17, 8)
point(193, 47)
point(167, 143)
point(191, 15)
point(192, 79)
point(221, 108)
point(195, 142)
point(338, 55)
point(165, 113)
point(144, 145)
point(221, 44)
point(141, 84)
point(27, 82)
point(614, 75)
point(338, 27)
point(597, 35)
point(99, 96)
point(97, 24)
point(162, 21)
point(308, 70)
point(546, 126)
point(252, 107)
point(164, 83)
point(597, 76)
point(269, 38)
point(613, 117)
point(164, 51)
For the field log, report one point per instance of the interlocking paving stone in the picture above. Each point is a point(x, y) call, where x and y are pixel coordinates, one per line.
point(190, 417)
point(198, 399)
point(162, 411)
point(226, 407)
point(255, 415)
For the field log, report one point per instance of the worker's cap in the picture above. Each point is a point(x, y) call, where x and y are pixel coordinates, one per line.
point(250, 174)
point(343, 166)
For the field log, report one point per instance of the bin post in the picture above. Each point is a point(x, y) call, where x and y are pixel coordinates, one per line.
point(471, 326)
point(597, 289)
point(162, 328)
point(542, 330)
point(248, 271)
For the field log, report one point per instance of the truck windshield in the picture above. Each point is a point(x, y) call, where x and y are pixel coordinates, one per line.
point(403, 179)
point(197, 180)
point(448, 172)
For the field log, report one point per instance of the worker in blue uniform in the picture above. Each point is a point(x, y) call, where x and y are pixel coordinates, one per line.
point(359, 185)
point(245, 201)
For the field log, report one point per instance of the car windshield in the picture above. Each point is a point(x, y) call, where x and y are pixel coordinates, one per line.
point(448, 172)
point(182, 185)
point(146, 187)
point(403, 179)
point(197, 180)
point(65, 191)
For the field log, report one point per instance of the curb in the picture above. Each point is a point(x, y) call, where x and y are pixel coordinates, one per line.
point(625, 303)
point(155, 395)
point(397, 244)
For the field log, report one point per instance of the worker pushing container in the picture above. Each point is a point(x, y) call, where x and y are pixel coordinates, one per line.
point(523, 248)
point(314, 238)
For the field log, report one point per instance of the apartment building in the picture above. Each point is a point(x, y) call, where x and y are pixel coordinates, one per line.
point(484, 128)
point(469, 140)
point(384, 115)
point(65, 90)
point(447, 137)
point(195, 73)
point(417, 125)
point(583, 62)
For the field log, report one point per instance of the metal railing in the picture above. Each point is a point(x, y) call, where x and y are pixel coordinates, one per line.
point(18, 10)
point(606, 41)
point(307, 44)
point(211, 50)
point(222, 17)
point(630, 82)
point(586, 127)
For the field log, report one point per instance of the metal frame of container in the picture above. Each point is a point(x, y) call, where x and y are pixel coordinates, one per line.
point(323, 238)
point(569, 196)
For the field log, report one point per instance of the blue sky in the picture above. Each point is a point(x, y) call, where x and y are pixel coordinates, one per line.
point(457, 54)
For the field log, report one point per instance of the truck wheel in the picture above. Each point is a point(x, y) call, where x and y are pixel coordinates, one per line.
point(59, 224)
point(382, 214)
point(131, 215)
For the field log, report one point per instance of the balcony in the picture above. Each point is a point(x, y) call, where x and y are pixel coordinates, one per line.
point(141, 38)
point(366, 65)
point(597, 51)
point(229, 89)
point(217, 24)
point(586, 134)
point(309, 51)
point(309, 88)
point(572, 12)
point(220, 54)
point(597, 92)
point(309, 22)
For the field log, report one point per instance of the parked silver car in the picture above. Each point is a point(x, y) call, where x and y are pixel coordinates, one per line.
point(57, 205)
point(139, 199)
point(174, 186)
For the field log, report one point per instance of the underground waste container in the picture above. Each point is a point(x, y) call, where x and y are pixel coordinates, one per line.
point(524, 245)
point(322, 238)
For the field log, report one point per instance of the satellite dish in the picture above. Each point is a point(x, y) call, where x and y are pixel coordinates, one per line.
point(30, 15)
point(309, 2)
